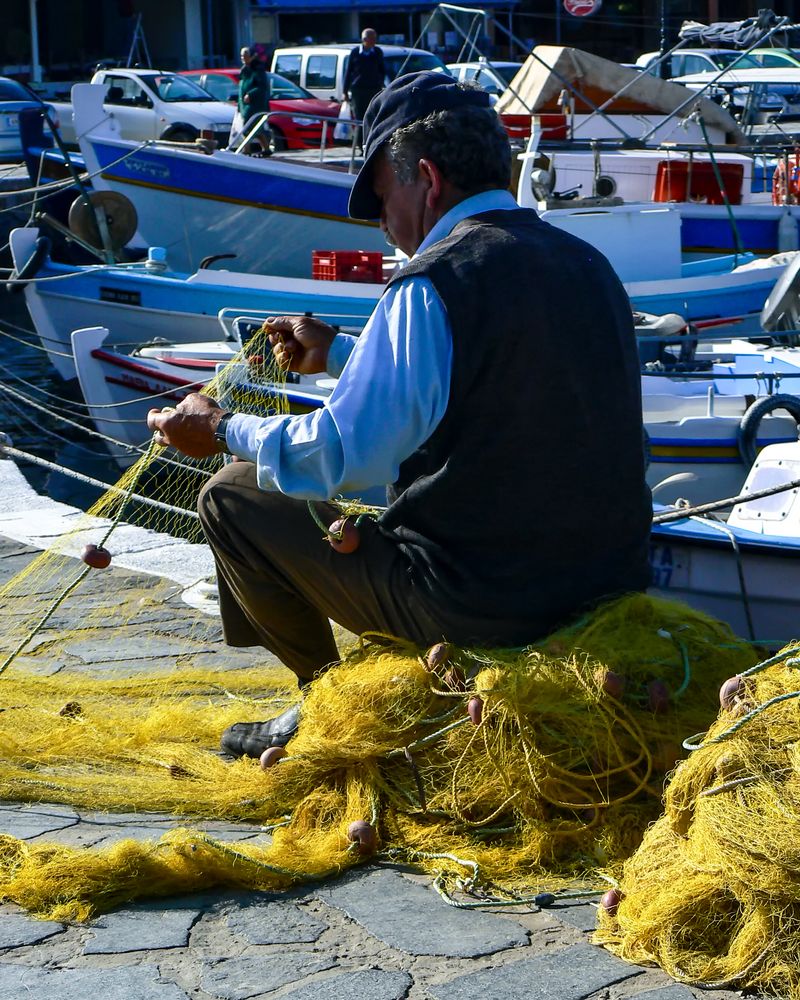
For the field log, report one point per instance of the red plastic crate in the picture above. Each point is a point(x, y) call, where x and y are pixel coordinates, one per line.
point(347, 265)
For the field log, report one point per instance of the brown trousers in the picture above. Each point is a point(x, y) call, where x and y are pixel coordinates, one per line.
point(280, 581)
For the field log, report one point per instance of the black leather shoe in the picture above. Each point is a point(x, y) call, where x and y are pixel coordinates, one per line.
point(251, 739)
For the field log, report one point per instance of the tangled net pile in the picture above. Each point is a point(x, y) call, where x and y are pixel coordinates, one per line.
point(713, 894)
point(503, 773)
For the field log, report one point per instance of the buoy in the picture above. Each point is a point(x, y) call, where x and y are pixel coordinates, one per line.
point(344, 536)
point(612, 684)
point(658, 697)
point(454, 679)
point(475, 710)
point(438, 656)
point(362, 833)
point(96, 556)
point(731, 691)
point(610, 901)
point(271, 756)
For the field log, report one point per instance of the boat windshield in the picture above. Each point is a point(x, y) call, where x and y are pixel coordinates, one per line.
point(172, 88)
point(413, 63)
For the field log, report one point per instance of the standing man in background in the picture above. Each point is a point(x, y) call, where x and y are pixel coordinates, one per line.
point(365, 76)
point(253, 96)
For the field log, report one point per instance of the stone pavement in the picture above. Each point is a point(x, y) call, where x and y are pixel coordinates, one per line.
point(379, 933)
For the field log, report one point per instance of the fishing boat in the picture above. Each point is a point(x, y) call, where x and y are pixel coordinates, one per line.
point(743, 568)
point(268, 213)
point(143, 301)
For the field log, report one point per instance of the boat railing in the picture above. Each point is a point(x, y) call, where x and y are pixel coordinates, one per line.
point(262, 121)
point(238, 326)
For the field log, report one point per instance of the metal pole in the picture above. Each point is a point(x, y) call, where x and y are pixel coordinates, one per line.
point(662, 68)
point(558, 22)
point(36, 69)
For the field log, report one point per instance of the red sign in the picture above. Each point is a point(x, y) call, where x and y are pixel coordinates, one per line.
point(582, 8)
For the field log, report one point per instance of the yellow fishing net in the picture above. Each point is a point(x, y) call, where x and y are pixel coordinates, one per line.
point(503, 773)
point(713, 894)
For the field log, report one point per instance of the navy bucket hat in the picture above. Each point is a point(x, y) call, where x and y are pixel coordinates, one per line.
point(405, 100)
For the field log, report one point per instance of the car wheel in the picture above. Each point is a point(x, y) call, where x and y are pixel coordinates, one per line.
point(179, 135)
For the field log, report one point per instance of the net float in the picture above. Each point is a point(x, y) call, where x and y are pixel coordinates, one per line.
point(438, 656)
point(475, 710)
point(96, 556)
point(454, 679)
point(658, 697)
point(71, 710)
point(612, 684)
point(344, 536)
point(610, 901)
point(362, 833)
point(270, 757)
point(731, 691)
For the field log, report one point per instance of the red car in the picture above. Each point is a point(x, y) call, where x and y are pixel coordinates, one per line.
point(298, 128)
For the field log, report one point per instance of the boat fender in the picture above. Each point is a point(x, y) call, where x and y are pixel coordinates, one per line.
point(750, 422)
point(18, 279)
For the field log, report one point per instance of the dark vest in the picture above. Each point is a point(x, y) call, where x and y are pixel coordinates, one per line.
point(528, 503)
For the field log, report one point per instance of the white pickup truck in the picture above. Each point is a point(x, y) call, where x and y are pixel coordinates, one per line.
point(149, 104)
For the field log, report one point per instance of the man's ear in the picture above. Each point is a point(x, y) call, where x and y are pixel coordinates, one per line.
point(431, 174)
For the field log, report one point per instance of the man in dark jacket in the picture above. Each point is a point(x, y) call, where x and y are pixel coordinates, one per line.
point(254, 94)
point(496, 385)
point(365, 75)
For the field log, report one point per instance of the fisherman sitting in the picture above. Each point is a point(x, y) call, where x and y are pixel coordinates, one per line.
point(496, 386)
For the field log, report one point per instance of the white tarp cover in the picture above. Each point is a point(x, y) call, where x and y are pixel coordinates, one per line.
point(537, 87)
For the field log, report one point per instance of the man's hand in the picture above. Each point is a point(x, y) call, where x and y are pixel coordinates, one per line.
point(300, 343)
point(189, 427)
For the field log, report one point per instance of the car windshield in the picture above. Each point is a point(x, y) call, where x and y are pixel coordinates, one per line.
point(281, 89)
point(413, 63)
point(723, 59)
point(172, 88)
point(10, 90)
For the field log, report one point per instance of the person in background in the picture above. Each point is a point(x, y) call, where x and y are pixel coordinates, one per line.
point(508, 422)
point(365, 76)
point(253, 96)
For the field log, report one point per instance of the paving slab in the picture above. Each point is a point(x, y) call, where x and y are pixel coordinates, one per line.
point(251, 976)
point(673, 992)
point(580, 915)
point(25, 824)
point(138, 928)
point(275, 923)
point(127, 982)
point(412, 918)
point(568, 974)
point(18, 930)
point(368, 984)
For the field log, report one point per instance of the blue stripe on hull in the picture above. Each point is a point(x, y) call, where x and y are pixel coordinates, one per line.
point(203, 176)
point(758, 235)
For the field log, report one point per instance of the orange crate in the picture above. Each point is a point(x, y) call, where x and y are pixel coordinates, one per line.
point(347, 265)
point(673, 181)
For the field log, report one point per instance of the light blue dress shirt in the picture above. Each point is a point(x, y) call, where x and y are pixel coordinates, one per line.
point(393, 389)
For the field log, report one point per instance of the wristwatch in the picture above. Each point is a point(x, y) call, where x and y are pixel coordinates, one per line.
point(219, 433)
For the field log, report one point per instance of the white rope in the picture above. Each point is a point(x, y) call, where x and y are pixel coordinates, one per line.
point(91, 481)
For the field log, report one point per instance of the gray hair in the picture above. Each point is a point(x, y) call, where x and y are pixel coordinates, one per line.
point(468, 145)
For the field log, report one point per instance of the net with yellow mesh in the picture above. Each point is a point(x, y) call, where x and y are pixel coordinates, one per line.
point(712, 893)
point(503, 773)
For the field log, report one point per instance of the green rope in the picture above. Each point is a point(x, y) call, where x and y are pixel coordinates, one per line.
point(689, 744)
point(737, 239)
